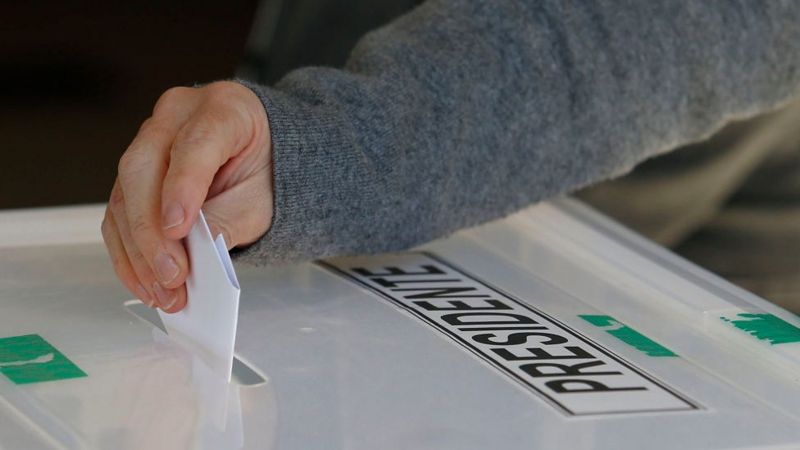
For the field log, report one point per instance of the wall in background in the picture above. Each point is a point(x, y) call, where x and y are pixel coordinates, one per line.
point(77, 80)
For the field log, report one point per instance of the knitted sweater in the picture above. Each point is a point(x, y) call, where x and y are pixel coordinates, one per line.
point(463, 111)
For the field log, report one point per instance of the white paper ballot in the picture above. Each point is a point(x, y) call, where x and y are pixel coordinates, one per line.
point(208, 323)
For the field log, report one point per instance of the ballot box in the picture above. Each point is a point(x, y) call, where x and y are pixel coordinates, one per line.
point(552, 328)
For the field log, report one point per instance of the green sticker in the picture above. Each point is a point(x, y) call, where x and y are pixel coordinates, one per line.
point(765, 327)
point(628, 335)
point(30, 359)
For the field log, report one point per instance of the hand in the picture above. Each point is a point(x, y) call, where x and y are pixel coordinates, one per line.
point(203, 147)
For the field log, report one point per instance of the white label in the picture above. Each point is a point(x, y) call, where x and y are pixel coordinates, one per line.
point(571, 372)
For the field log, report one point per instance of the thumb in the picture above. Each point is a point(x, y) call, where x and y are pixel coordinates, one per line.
point(201, 147)
point(243, 213)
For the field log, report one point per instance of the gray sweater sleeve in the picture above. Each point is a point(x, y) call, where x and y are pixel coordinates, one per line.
point(463, 111)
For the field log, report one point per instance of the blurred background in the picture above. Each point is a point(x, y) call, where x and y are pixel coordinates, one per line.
point(76, 80)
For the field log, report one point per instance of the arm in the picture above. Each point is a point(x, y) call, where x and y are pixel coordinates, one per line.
point(457, 113)
point(463, 111)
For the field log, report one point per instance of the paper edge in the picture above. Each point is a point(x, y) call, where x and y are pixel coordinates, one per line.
point(225, 259)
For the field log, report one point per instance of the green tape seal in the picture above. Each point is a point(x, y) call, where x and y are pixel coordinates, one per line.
point(765, 327)
point(628, 335)
point(31, 359)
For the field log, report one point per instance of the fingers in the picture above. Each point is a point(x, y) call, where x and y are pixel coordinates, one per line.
point(211, 141)
point(141, 170)
point(178, 302)
point(170, 300)
point(120, 262)
point(213, 135)
point(157, 265)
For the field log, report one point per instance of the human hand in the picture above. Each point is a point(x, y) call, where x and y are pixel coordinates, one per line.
point(206, 147)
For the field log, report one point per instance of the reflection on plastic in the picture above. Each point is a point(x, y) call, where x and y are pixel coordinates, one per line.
point(152, 394)
point(219, 421)
point(242, 373)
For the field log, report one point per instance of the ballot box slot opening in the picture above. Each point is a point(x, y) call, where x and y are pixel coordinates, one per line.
point(242, 373)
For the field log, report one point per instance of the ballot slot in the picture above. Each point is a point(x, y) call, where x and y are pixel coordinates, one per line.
point(242, 374)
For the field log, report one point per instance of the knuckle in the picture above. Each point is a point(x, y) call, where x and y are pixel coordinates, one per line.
point(139, 265)
point(131, 164)
point(142, 233)
point(222, 91)
point(183, 178)
point(153, 127)
point(137, 260)
point(141, 227)
point(104, 229)
point(126, 162)
point(146, 123)
point(169, 98)
point(200, 131)
point(229, 107)
point(116, 200)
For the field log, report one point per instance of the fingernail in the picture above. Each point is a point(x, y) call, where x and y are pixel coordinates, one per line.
point(173, 216)
point(166, 267)
point(169, 305)
point(166, 299)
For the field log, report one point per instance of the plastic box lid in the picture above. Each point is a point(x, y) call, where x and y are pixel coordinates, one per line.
point(553, 327)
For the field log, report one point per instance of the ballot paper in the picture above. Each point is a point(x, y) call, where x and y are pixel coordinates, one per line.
point(207, 325)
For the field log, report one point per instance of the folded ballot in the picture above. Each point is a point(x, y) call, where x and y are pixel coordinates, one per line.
point(207, 325)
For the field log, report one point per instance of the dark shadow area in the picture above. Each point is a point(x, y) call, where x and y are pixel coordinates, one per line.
point(76, 80)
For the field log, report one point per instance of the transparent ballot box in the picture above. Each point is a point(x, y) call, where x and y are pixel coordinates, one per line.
point(552, 328)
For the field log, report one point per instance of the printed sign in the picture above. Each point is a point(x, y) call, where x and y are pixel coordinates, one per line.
point(30, 359)
point(569, 371)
